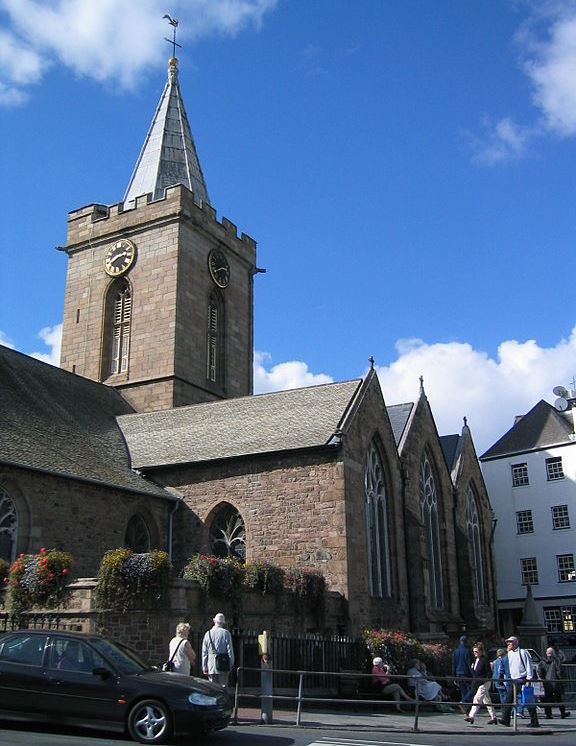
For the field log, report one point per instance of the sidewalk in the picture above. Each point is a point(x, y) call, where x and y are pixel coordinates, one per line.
point(428, 722)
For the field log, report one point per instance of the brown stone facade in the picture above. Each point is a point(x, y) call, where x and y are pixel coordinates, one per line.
point(170, 287)
point(81, 518)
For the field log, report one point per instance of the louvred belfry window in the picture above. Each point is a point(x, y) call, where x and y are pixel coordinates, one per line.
point(121, 331)
point(215, 341)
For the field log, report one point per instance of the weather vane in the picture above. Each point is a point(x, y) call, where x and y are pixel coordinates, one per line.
point(174, 23)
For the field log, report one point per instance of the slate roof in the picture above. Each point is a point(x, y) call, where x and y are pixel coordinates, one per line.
point(61, 423)
point(264, 423)
point(399, 415)
point(542, 427)
point(449, 444)
point(168, 155)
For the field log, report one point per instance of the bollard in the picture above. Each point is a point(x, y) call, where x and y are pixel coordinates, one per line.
point(266, 688)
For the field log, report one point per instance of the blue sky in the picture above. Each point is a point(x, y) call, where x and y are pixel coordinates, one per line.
point(406, 166)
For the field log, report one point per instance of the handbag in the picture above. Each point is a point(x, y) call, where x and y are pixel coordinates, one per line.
point(222, 659)
point(528, 695)
point(169, 665)
point(538, 687)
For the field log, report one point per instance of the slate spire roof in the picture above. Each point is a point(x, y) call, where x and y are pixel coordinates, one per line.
point(168, 155)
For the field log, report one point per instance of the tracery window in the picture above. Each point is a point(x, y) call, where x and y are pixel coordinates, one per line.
point(475, 548)
point(228, 534)
point(137, 536)
point(429, 508)
point(8, 527)
point(378, 530)
point(215, 341)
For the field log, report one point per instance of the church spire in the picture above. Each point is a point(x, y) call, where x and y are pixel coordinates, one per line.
point(168, 155)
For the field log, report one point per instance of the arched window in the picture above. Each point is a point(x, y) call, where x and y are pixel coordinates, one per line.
point(429, 507)
point(475, 548)
point(228, 534)
point(215, 341)
point(137, 537)
point(380, 575)
point(118, 314)
point(8, 527)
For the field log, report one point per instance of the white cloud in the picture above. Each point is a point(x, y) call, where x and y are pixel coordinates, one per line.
point(52, 338)
point(107, 40)
point(460, 381)
point(547, 47)
point(291, 375)
point(6, 341)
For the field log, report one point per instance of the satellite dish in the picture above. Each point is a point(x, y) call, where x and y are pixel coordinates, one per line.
point(561, 404)
point(561, 391)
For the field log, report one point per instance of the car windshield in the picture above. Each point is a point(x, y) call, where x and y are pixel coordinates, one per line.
point(126, 660)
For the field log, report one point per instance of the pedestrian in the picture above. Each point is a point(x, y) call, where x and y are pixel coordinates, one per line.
point(521, 673)
point(383, 684)
point(559, 654)
point(180, 652)
point(480, 685)
point(461, 665)
point(424, 687)
point(550, 671)
point(501, 674)
point(217, 652)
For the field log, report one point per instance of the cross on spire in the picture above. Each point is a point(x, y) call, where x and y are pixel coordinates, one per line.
point(174, 23)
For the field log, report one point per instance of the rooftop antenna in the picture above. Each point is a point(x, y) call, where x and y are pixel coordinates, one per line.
point(174, 23)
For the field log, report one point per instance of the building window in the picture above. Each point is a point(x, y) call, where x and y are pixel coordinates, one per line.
point(554, 469)
point(524, 522)
point(429, 508)
point(560, 619)
point(566, 571)
point(8, 527)
point(475, 546)
point(228, 534)
point(118, 315)
point(560, 517)
point(529, 571)
point(519, 475)
point(137, 536)
point(378, 531)
point(215, 341)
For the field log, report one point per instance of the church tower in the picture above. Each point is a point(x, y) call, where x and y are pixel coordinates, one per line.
point(159, 293)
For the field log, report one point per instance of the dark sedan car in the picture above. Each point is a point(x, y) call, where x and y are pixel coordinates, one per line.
point(87, 680)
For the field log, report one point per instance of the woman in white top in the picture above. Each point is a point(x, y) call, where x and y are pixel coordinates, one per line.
point(180, 650)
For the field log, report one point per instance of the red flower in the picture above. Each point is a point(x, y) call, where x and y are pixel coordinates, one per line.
point(65, 571)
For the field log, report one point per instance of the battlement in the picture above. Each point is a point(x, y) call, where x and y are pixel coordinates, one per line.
point(93, 222)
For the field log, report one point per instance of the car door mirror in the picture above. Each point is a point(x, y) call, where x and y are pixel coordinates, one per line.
point(104, 673)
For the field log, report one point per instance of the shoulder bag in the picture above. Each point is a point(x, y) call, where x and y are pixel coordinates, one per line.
point(222, 659)
point(169, 665)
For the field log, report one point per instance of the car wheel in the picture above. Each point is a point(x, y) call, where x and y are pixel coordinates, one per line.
point(150, 721)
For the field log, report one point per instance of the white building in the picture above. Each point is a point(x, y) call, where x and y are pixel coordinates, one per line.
point(530, 474)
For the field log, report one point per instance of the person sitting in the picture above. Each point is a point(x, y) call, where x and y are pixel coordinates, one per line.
point(383, 684)
point(424, 687)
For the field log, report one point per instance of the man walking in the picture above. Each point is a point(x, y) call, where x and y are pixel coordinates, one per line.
point(462, 667)
point(521, 672)
point(217, 652)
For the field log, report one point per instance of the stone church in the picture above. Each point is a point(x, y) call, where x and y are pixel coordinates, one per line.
point(149, 435)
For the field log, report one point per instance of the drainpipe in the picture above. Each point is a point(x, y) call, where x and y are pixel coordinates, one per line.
point(171, 524)
point(493, 573)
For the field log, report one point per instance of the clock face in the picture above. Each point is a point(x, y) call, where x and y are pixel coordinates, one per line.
point(119, 257)
point(219, 268)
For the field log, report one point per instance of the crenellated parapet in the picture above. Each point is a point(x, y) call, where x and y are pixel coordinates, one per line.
point(92, 224)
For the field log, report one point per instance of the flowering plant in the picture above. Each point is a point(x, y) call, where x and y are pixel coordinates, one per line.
point(264, 577)
point(216, 576)
point(397, 648)
point(127, 580)
point(305, 582)
point(38, 580)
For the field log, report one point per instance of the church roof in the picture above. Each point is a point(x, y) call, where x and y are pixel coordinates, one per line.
point(57, 422)
point(399, 415)
point(168, 156)
point(449, 444)
point(542, 427)
point(265, 423)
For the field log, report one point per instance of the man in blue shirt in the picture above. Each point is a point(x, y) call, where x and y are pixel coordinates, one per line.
point(462, 670)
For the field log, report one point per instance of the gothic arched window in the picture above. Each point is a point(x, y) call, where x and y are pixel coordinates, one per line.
point(429, 507)
point(137, 536)
point(215, 341)
point(475, 548)
point(8, 527)
point(118, 315)
point(379, 561)
point(228, 534)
